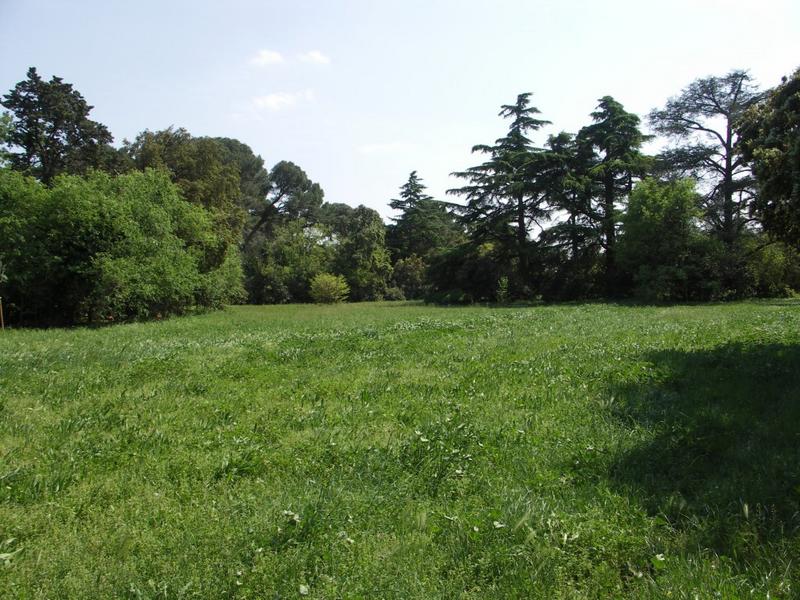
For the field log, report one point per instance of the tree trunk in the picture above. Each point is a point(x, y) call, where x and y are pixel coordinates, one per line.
point(728, 223)
point(522, 238)
point(609, 234)
point(574, 243)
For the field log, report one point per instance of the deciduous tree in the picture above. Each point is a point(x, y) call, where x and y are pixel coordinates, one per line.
point(771, 142)
point(362, 257)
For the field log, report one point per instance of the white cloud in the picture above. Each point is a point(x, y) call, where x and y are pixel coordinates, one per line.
point(267, 57)
point(385, 148)
point(314, 56)
point(281, 100)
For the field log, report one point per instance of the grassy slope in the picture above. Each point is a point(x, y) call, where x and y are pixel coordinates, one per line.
point(569, 451)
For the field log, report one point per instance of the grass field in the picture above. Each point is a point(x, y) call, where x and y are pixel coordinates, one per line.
point(403, 451)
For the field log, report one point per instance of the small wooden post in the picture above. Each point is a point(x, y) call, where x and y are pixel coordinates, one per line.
point(2, 323)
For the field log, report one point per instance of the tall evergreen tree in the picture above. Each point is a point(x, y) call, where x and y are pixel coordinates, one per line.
point(609, 149)
point(424, 226)
point(702, 121)
point(570, 193)
point(52, 130)
point(574, 240)
point(412, 192)
point(505, 197)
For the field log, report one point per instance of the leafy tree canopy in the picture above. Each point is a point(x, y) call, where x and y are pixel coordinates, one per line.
point(771, 141)
point(254, 184)
point(702, 121)
point(291, 195)
point(362, 257)
point(200, 167)
point(51, 130)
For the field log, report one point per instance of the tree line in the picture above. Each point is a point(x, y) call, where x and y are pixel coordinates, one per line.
point(590, 215)
point(170, 222)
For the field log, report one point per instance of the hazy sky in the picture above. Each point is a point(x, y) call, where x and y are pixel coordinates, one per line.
point(360, 93)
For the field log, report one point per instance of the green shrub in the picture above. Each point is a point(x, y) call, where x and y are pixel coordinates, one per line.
point(773, 269)
point(661, 249)
point(280, 267)
point(329, 289)
point(101, 248)
point(394, 293)
point(502, 295)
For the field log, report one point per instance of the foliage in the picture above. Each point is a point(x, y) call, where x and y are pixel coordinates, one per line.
point(410, 275)
point(469, 273)
point(703, 120)
point(329, 289)
point(291, 195)
point(610, 153)
point(771, 135)
point(537, 222)
point(254, 183)
point(302, 238)
point(506, 195)
point(52, 130)
point(6, 126)
point(102, 247)
point(660, 247)
point(203, 171)
point(335, 217)
point(394, 294)
point(502, 295)
point(362, 257)
point(773, 269)
point(572, 267)
point(281, 267)
point(424, 228)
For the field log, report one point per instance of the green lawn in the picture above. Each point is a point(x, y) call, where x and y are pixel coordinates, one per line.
point(396, 450)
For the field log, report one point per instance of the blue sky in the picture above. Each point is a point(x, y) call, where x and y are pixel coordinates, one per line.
point(360, 93)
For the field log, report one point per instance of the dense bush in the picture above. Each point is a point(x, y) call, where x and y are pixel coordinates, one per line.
point(109, 248)
point(773, 268)
point(361, 255)
point(410, 276)
point(329, 289)
point(279, 268)
point(468, 273)
point(662, 249)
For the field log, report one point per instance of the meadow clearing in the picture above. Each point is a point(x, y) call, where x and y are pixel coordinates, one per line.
point(397, 450)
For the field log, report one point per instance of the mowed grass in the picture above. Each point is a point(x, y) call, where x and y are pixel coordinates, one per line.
point(401, 451)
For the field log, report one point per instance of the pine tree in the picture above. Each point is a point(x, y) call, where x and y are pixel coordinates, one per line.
point(505, 196)
point(425, 227)
point(609, 151)
point(702, 119)
point(51, 127)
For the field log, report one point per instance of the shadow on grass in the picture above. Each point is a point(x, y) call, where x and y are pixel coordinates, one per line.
point(721, 460)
